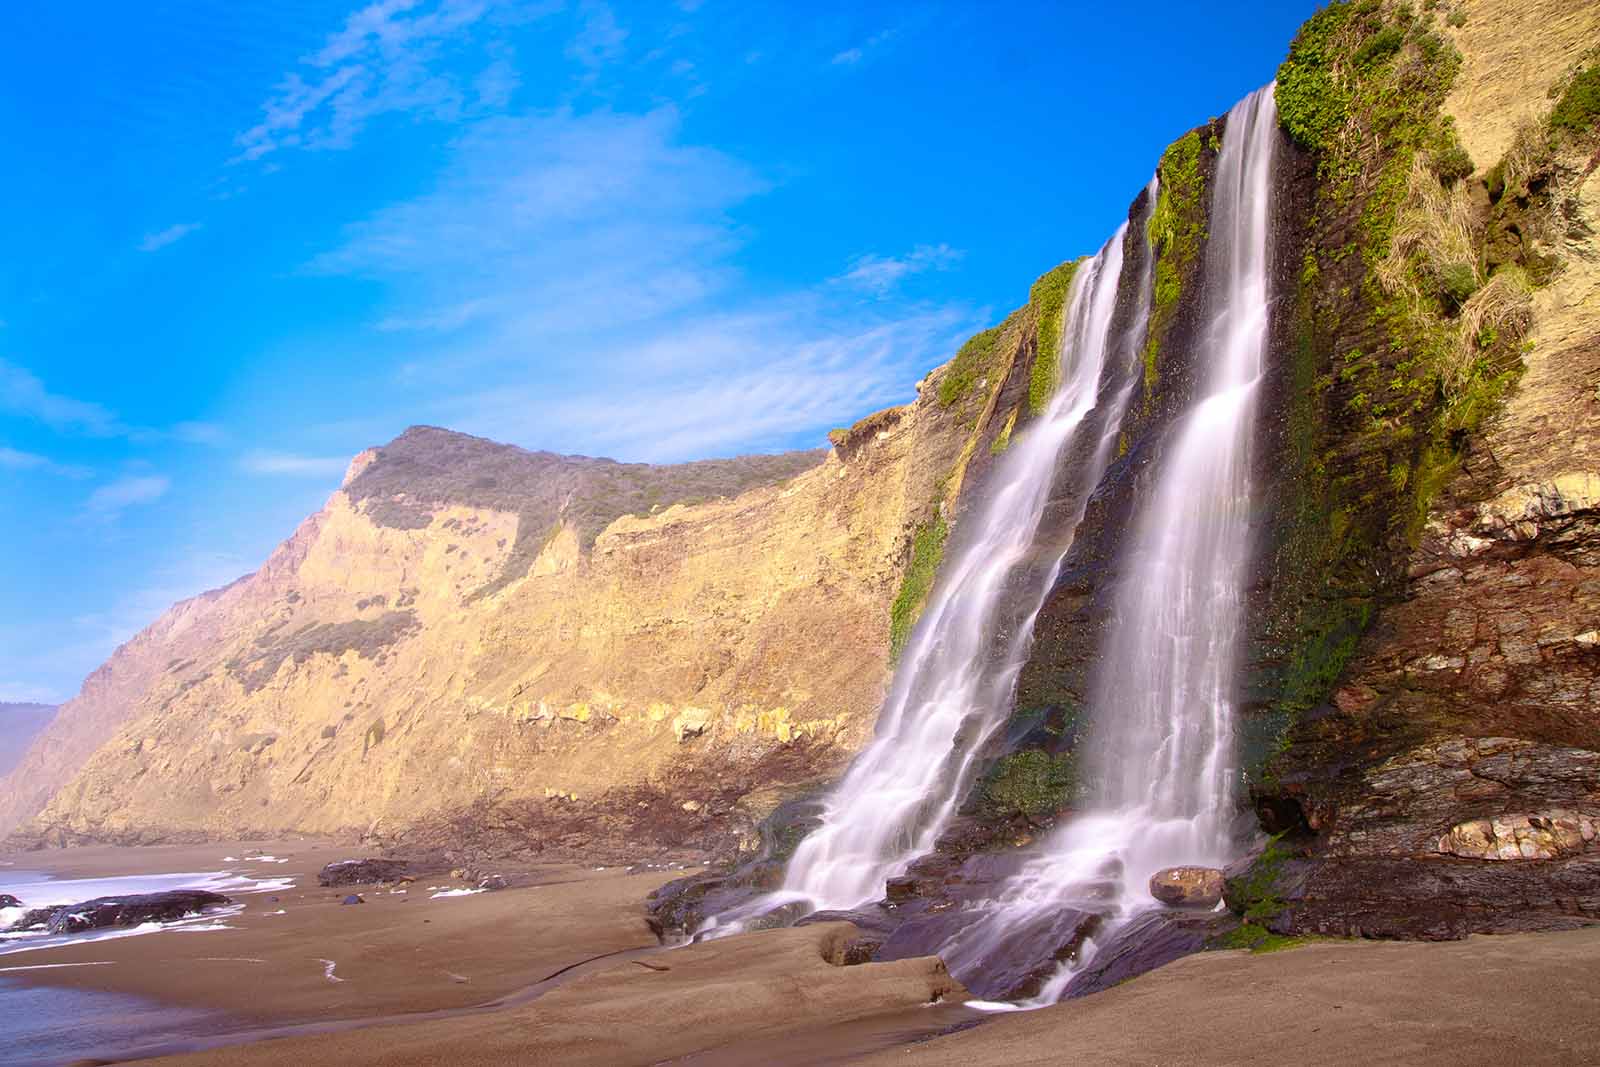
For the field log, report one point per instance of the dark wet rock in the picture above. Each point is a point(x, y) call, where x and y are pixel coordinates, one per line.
point(900, 890)
point(9, 901)
point(1153, 939)
point(680, 907)
point(353, 898)
point(1443, 899)
point(1026, 955)
point(492, 882)
point(105, 912)
point(870, 919)
point(362, 872)
point(1187, 887)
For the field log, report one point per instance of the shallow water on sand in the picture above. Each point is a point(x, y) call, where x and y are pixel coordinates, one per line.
point(45, 1027)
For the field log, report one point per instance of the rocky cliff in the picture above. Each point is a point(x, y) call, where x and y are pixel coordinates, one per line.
point(1419, 718)
point(1418, 724)
point(475, 643)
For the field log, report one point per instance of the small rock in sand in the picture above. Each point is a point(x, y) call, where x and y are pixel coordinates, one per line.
point(353, 898)
point(9, 901)
point(492, 882)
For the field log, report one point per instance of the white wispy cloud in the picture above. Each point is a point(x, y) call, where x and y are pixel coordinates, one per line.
point(291, 464)
point(554, 223)
point(600, 39)
point(111, 499)
point(580, 268)
point(719, 385)
point(171, 235)
point(851, 56)
point(881, 274)
point(15, 460)
point(23, 394)
point(390, 57)
point(198, 433)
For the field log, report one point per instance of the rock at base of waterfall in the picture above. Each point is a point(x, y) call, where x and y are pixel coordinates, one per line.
point(1187, 887)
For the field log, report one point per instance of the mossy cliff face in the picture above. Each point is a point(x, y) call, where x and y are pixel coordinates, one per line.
point(1423, 675)
point(1421, 670)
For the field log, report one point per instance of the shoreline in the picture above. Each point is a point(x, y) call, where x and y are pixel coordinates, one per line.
point(561, 967)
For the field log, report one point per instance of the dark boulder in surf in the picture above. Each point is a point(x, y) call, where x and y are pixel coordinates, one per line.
point(106, 912)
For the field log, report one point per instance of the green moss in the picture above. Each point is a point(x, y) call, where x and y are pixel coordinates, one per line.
point(1380, 46)
point(1048, 299)
point(1254, 894)
point(1259, 939)
point(1457, 283)
point(1002, 440)
point(927, 549)
point(1577, 112)
point(1030, 785)
point(1313, 102)
point(1372, 429)
point(968, 366)
point(1176, 232)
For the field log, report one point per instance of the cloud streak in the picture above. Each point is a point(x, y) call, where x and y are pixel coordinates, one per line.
point(292, 465)
point(12, 459)
point(23, 394)
point(154, 242)
point(390, 57)
point(110, 500)
point(881, 274)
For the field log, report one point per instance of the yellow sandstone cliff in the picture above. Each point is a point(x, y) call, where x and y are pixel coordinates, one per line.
point(407, 657)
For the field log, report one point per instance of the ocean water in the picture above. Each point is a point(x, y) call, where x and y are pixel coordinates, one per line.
point(42, 1026)
point(37, 889)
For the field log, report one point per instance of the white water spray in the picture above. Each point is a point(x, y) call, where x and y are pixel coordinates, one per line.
point(1161, 761)
point(955, 684)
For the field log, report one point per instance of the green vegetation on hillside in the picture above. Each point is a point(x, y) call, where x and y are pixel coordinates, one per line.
point(1177, 233)
point(967, 368)
point(927, 549)
point(426, 468)
point(1409, 333)
point(367, 638)
point(1048, 298)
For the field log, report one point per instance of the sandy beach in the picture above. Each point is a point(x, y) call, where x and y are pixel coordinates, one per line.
point(562, 968)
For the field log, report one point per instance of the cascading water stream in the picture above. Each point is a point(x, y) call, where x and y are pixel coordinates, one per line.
point(1161, 761)
point(955, 684)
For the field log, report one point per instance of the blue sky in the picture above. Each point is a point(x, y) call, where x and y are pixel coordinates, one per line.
point(249, 239)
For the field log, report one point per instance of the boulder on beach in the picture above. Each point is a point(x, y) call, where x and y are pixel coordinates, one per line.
point(1187, 887)
point(492, 882)
point(353, 898)
point(362, 872)
point(9, 901)
point(105, 912)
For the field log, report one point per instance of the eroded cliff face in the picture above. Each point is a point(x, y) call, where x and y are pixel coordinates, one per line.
point(1448, 779)
point(471, 643)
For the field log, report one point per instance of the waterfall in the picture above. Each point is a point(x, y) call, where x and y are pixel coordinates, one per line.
point(1161, 762)
point(955, 683)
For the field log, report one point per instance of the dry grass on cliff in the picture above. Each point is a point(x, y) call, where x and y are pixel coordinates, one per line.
point(1435, 261)
point(1437, 231)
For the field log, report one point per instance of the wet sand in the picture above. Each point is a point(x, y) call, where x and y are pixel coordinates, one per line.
point(1517, 999)
point(399, 952)
point(582, 982)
